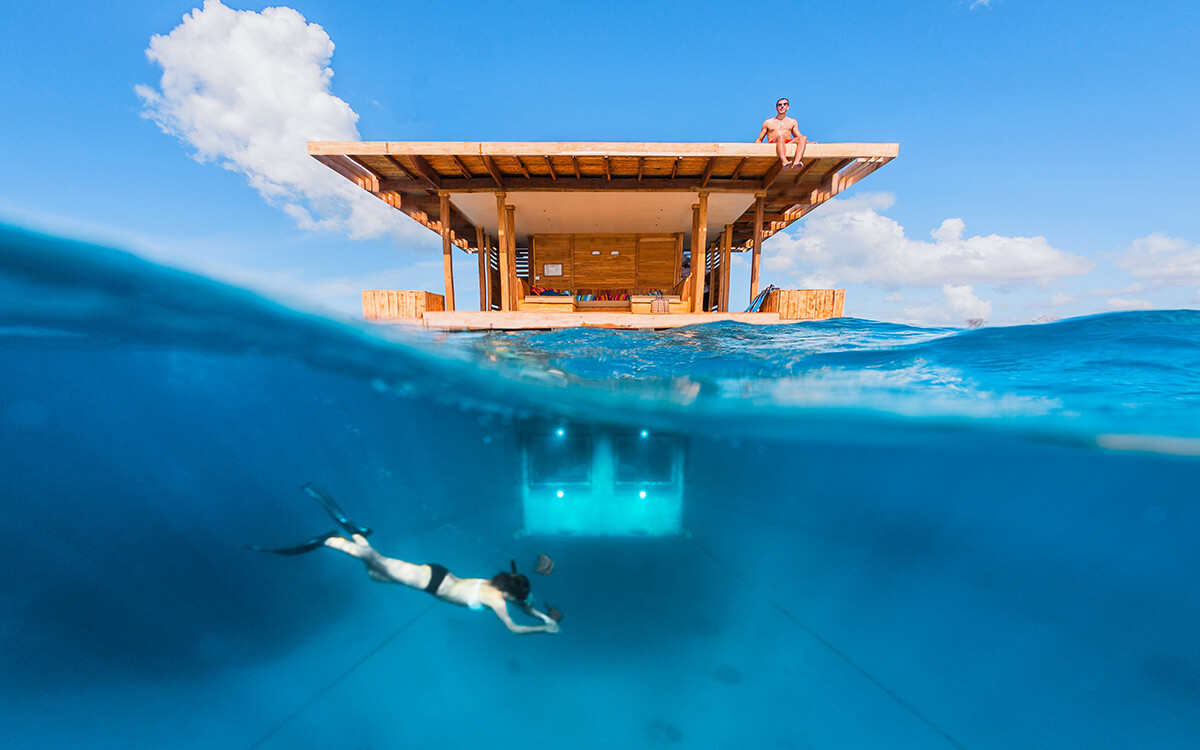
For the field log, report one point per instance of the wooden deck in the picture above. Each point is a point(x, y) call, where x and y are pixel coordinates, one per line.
point(520, 321)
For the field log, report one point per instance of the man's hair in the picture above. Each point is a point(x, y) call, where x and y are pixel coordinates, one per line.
point(781, 99)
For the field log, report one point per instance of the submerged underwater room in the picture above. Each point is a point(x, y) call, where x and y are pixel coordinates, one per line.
point(841, 533)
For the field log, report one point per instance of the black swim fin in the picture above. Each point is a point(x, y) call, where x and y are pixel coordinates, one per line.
point(331, 507)
point(298, 549)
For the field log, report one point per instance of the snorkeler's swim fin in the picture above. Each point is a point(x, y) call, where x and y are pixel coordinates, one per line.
point(331, 507)
point(297, 549)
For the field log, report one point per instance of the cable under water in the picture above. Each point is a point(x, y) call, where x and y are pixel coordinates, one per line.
point(833, 649)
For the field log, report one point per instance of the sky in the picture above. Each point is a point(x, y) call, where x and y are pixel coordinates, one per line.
point(1047, 164)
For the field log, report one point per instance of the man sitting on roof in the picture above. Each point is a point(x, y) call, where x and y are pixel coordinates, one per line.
point(782, 130)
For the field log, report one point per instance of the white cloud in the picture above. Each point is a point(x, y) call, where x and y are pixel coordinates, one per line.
point(247, 90)
point(849, 240)
point(957, 306)
point(1121, 303)
point(1062, 300)
point(980, 4)
point(1160, 261)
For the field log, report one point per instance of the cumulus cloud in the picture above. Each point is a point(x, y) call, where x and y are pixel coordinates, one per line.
point(850, 240)
point(1062, 300)
point(1159, 261)
point(247, 90)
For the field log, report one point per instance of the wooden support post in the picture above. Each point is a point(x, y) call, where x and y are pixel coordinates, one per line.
point(447, 248)
point(726, 257)
point(700, 242)
point(693, 305)
point(481, 252)
point(502, 236)
point(514, 286)
point(759, 200)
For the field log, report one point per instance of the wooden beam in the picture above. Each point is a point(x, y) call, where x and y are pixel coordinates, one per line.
point(374, 177)
point(550, 166)
point(641, 167)
point(575, 162)
point(461, 167)
point(495, 173)
point(675, 167)
point(514, 286)
point(412, 175)
point(697, 259)
point(726, 258)
point(343, 168)
point(804, 170)
point(447, 247)
point(448, 148)
point(481, 251)
point(607, 169)
point(712, 162)
point(512, 183)
point(701, 242)
point(738, 169)
point(427, 171)
point(757, 239)
point(521, 166)
point(772, 173)
point(502, 237)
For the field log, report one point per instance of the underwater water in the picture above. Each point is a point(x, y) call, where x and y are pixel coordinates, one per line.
point(887, 536)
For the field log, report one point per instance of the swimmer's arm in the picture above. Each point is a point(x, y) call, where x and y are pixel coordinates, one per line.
point(502, 612)
point(529, 610)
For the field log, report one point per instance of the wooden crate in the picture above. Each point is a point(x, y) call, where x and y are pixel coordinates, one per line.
point(805, 304)
point(561, 304)
point(379, 304)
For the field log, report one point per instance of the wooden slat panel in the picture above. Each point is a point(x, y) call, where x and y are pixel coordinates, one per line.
point(597, 267)
point(552, 248)
point(384, 304)
point(806, 304)
point(657, 261)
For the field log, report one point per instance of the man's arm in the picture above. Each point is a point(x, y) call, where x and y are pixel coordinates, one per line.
point(761, 133)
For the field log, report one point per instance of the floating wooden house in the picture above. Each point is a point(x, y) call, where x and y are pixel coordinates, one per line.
point(636, 235)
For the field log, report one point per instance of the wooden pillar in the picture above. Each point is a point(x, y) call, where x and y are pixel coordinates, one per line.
point(447, 247)
point(700, 242)
point(759, 199)
point(502, 237)
point(693, 304)
point(726, 257)
point(514, 286)
point(481, 251)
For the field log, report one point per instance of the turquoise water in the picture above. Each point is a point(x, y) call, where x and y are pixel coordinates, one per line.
point(890, 536)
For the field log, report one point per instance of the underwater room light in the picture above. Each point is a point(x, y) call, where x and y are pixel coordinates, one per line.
point(609, 471)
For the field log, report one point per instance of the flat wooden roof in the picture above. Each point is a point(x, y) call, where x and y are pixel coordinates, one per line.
point(410, 175)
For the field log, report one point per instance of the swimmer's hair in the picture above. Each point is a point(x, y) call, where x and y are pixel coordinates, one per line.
point(782, 99)
point(513, 585)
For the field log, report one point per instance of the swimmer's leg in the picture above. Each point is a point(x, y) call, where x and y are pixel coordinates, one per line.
point(780, 150)
point(333, 509)
point(297, 549)
point(380, 568)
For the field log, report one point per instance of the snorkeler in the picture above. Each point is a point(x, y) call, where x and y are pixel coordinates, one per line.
point(475, 593)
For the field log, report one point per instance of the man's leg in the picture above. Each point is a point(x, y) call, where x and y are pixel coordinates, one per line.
point(781, 150)
point(801, 143)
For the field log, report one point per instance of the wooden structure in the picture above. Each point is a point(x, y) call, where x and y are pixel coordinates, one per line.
point(603, 223)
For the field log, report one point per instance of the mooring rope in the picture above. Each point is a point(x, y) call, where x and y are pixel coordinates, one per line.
point(832, 648)
point(340, 677)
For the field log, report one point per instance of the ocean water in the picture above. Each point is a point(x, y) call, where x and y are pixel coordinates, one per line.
point(888, 537)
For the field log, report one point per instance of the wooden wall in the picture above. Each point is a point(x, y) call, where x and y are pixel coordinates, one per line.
point(607, 261)
point(805, 304)
point(399, 303)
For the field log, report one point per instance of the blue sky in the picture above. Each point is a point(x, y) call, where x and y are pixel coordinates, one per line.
point(1047, 162)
